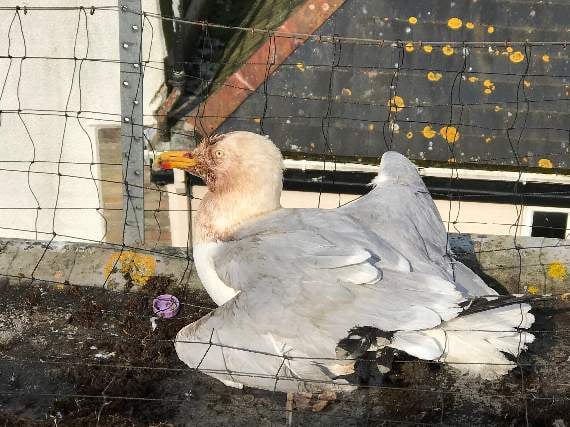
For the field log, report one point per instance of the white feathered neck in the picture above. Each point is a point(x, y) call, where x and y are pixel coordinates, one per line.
point(245, 188)
point(221, 214)
point(247, 185)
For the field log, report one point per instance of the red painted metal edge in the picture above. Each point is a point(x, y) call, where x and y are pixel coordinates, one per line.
point(306, 19)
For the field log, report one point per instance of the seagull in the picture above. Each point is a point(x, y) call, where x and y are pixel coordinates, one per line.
point(304, 294)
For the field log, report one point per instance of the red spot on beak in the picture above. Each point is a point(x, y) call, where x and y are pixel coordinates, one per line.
point(165, 165)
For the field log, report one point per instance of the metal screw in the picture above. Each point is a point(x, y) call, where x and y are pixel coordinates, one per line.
point(135, 65)
point(125, 83)
point(137, 172)
point(127, 120)
point(135, 27)
point(125, 45)
point(136, 102)
point(124, 8)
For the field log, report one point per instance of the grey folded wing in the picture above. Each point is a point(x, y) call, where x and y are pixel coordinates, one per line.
point(306, 277)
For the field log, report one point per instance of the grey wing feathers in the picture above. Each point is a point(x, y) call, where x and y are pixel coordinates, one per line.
point(233, 347)
point(400, 209)
point(397, 169)
point(307, 276)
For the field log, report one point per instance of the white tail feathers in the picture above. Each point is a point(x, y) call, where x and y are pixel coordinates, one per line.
point(475, 343)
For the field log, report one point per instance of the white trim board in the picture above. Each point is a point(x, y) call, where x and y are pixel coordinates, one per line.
point(434, 172)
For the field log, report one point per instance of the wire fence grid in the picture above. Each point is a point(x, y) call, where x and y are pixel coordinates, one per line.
point(57, 171)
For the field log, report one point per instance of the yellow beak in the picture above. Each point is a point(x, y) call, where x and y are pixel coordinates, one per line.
point(175, 160)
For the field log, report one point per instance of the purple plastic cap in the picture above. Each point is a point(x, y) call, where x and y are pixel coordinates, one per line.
point(166, 306)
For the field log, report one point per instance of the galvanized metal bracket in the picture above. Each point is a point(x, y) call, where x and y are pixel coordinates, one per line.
point(131, 90)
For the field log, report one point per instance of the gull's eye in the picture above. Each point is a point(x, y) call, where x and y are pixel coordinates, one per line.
point(219, 153)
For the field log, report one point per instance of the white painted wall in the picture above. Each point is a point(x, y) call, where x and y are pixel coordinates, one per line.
point(491, 218)
point(46, 85)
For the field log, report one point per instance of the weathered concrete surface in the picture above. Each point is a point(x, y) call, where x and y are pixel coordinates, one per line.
point(534, 265)
point(525, 264)
point(98, 265)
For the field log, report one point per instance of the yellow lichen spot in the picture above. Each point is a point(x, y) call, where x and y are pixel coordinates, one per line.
point(557, 270)
point(433, 77)
point(450, 134)
point(409, 47)
point(533, 290)
point(545, 163)
point(487, 91)
point(396, 103)
point(428, 132)
point(454, 23)
point(413, 20)
point(526, 83)
point(346, 91)
point(300, 66)
point(137, 268)
point(516, 57)
point(487, 83)
point(488, 139)
point(257, 120)
point(370, 127)
point(497, 108)
point(491, 29)
point(60, 286)
point(509, 49)
point(473, 79)
point(469, 25)
point(427, 48)
point(447, 50)
point(546, 58)
point(410, 135)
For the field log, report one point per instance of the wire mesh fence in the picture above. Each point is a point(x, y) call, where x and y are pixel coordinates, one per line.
point(67, 180)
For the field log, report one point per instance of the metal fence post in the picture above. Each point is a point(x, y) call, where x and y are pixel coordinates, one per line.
point(130, 37)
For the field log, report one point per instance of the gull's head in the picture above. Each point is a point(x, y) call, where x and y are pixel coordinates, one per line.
point(231, 162)
point(244, 175)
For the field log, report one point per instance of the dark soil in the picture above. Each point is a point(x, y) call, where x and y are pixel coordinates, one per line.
point(88, 357)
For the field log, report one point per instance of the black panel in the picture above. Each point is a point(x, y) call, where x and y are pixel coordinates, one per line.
point(530, 193)
point(314, 107)
point(549, 224)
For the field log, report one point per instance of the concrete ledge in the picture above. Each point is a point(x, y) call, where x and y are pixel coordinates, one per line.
point(525, 264)
point(534, 265)
point(98, 265)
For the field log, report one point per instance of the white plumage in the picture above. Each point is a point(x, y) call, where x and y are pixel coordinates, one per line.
point(294, 282)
